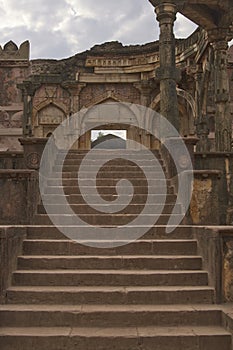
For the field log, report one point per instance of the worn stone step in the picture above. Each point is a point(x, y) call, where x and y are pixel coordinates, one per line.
point(104, 161)
point(113, 155)
point(149, 338)
point(111, 166)
point(78, 199)
point(149, 172)
point(87, 209)
point(109, 278)
point(155, 232)
point(111, 190)
point(147, 247)
point(139, 194)
point(120, 262)
point(107, 173)
point(102, 219)
point(99, 182)
point(106, 315)
point(110, 295)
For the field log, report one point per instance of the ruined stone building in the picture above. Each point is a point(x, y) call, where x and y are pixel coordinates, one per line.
point(57, 294)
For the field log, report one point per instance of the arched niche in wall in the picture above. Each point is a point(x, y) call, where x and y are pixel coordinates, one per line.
point(47, 119)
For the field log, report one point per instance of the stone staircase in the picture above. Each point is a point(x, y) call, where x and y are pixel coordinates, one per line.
point(150, 294)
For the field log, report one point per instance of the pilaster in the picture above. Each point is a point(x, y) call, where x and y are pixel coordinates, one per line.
point(223, 120)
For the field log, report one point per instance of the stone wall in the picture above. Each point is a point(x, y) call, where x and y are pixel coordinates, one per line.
point(216, 247)
point(223, 163)
point(19, 196)
point(11, 239)
point(204, 206)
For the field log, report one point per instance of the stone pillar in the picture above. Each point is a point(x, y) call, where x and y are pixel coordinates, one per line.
point(223, 119)
point(203, 144)
point(167, 73)
point(28, 92)
point(145, 87)
point(75, 89)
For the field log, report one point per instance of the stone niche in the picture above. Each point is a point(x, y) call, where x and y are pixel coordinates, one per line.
point(48, 119)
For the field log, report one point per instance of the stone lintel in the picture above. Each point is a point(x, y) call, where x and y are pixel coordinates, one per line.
point(108, 78)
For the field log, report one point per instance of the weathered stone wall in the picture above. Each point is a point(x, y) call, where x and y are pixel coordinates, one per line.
point(11, 239)
point(222, 162)
point(204, 206)
point(215, 245)
point(19, 196)
point(209, 247)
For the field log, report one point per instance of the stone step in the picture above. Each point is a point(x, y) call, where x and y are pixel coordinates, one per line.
point(150, 262)
point(102, 219)
point(149, 338)
point(155, 232)
point(121, 169)
point(109, 278)
point(110, 295)
point(78, 199)
point(113, 173)
point(154, 182)
point(140, 247)
point(116, 163)
point(123, 155)
point(110, 190)
point(87, 209)
point(108, 168)
point(106, 315)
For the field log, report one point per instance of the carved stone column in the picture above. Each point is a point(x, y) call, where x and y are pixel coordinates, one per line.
point(167, 73)
point(75, 89)
point(146, 87)
point(223, 120)
point(202, 128)
point(28, 91)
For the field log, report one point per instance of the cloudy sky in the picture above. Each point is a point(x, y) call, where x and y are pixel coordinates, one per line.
point(61, 28)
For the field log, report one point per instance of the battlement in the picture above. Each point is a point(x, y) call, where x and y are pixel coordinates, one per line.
point(11, 52)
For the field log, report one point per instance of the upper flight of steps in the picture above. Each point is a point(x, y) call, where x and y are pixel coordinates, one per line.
point(151, 294)
point(108, 176)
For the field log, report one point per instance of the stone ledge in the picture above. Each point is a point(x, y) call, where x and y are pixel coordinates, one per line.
point(12, 173)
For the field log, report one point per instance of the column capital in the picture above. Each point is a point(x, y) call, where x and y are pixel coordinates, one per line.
point(166, 12)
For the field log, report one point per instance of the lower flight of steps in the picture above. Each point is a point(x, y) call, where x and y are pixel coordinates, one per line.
point(151, 294)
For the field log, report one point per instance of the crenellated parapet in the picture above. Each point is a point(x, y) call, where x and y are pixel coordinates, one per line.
point(12, 55)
